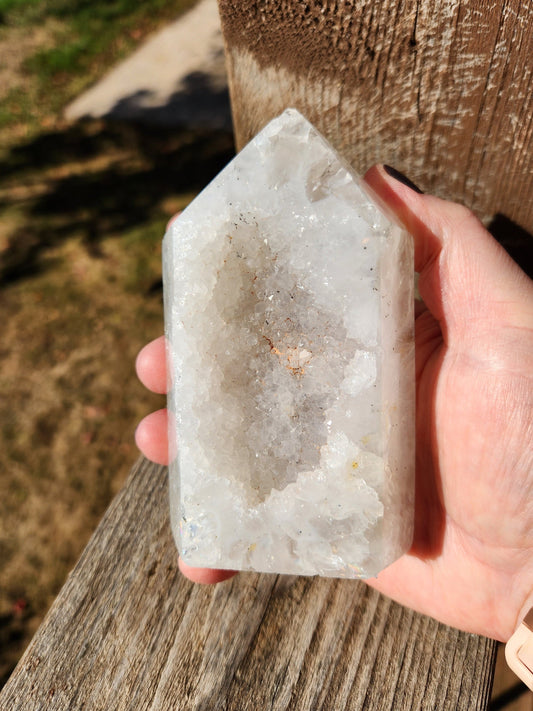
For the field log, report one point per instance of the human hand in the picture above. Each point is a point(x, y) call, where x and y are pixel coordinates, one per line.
point(471, 563)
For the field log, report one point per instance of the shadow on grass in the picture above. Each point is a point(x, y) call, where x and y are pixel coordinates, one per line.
point(100, 178)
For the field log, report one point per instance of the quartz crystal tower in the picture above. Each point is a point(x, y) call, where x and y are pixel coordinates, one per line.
point(289, 322)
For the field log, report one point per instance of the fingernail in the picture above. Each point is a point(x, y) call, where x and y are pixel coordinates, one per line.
point(402, 178)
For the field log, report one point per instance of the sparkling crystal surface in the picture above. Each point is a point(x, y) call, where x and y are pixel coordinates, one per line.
point(289, 322)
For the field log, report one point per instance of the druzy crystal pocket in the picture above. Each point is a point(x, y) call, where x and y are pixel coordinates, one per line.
point(289, 322)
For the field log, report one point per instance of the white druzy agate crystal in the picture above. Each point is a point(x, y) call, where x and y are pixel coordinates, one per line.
point(289, 323)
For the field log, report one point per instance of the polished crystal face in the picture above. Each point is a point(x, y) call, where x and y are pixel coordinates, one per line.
point(289, 323)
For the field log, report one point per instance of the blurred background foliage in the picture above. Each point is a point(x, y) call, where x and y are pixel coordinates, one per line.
point(83, 210)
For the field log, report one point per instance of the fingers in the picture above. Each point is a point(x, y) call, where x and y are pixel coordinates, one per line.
point(152, 439)
point(464, 272)
point(151, 366)
point(151, 436)
point(205, 576)
point(408, 207)
point(173, 219)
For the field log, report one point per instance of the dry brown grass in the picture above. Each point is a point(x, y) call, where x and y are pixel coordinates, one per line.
point(83, 210)
point(67, 417)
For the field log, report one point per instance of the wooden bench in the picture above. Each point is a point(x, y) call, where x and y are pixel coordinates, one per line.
point(127, 631)
point(442, 91)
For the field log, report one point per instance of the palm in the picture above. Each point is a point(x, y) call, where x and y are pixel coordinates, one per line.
point(474, 523)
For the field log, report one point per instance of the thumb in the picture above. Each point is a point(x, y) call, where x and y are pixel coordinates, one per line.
point(467, 280)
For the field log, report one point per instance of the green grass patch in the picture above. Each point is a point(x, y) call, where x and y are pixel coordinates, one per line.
point(16, 106)
point(67, 58)
point(14, 10)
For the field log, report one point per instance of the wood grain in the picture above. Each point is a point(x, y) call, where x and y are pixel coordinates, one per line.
point(128, 632)
point(441, 91)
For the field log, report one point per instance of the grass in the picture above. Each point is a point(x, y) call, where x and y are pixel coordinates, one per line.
point(80, 40)
point(89, 33)
point(83, 209)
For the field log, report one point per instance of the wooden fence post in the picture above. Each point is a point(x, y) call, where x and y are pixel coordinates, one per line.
point(443, 91)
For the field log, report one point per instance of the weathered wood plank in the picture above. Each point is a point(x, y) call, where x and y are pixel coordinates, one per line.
point(128, 632)
point(441, 90)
